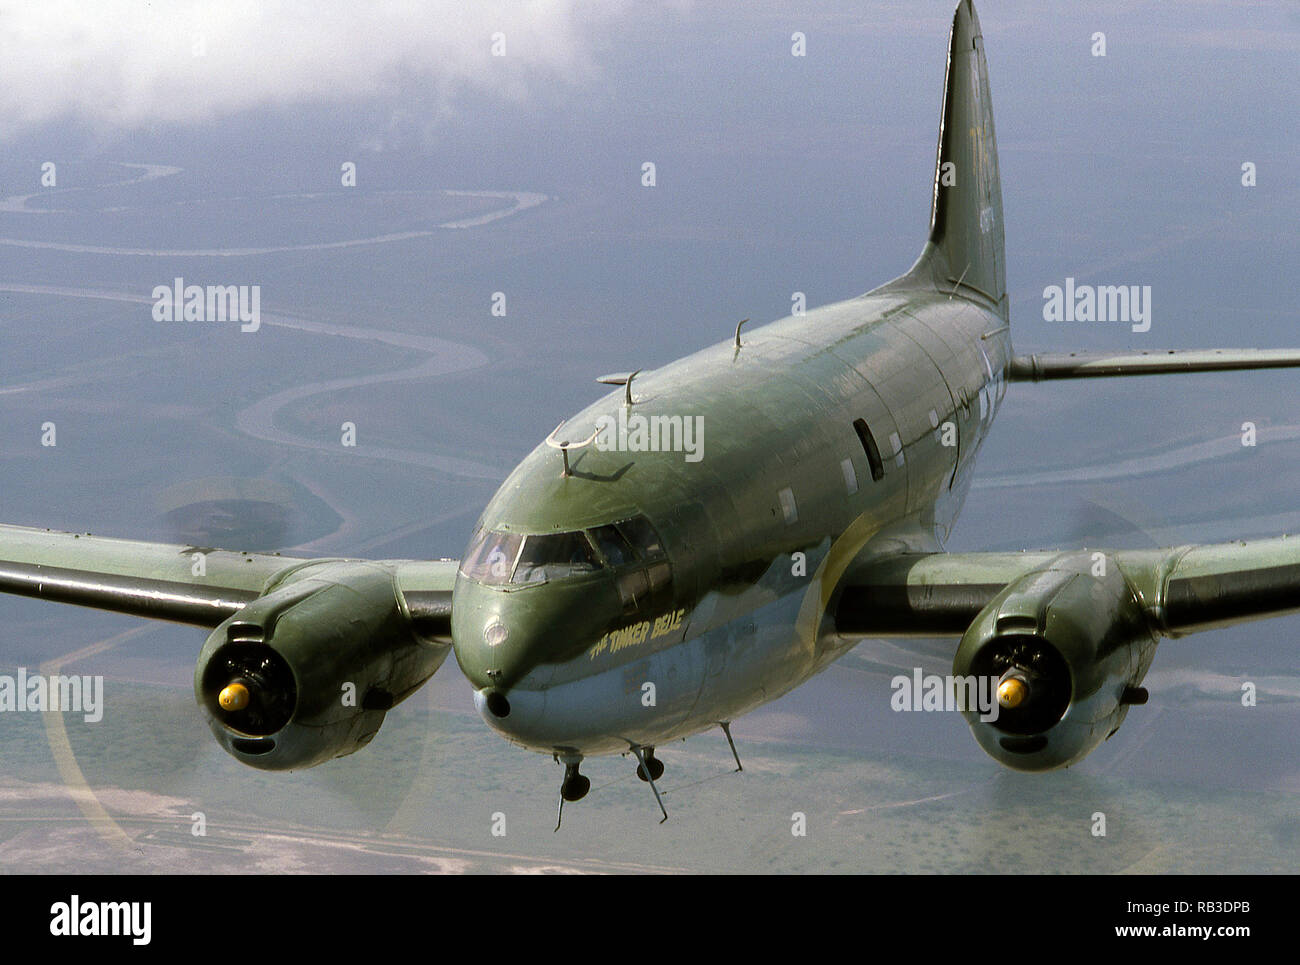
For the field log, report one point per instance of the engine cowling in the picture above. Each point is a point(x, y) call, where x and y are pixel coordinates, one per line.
point(1067, 647)
point(307, 672)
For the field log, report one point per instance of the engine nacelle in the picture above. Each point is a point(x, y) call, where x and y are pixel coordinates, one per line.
point(1067, 647)
point(307, 672)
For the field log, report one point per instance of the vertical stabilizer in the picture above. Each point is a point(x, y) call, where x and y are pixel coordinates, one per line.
point(965, 246)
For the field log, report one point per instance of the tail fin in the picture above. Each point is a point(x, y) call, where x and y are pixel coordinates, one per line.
point(965, 247)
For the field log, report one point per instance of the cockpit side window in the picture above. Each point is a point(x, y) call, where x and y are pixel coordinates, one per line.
point(491, 556)
point(642, 535)
point(554, 556)
point(613, 546)
point(633, 548)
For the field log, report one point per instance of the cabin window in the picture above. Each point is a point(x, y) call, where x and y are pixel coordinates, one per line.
point(869, 447)
point(788, 507)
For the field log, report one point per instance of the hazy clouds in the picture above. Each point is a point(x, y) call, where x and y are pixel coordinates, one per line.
point(124, 64)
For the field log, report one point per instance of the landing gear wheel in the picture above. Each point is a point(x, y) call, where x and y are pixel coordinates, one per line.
point(656, 767)
point(575, 788)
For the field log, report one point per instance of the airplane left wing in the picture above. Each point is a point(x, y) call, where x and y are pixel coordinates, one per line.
point(1181, 590)
point(1055, 646)
point(926, 594)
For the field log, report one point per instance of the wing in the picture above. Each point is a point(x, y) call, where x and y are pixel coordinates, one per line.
point(200, 586)
point(426, 587)
point(1087, 365)
point(1180, 590)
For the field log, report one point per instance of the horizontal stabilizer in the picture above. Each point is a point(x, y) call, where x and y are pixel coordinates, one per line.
point(1091, 365)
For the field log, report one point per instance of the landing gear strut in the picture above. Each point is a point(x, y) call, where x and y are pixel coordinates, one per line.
point(726, 729)
point(648, 768)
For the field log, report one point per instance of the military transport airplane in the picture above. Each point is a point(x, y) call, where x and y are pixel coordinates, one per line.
point(715, 532)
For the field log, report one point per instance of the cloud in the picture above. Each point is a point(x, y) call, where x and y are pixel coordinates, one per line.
point(130, 64)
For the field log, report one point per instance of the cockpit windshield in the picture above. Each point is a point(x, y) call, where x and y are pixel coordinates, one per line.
point(498, 558)
point(491, 556)
point(554, 556)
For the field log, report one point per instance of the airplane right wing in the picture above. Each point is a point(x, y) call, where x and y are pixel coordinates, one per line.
point(1054, 646)
point(1089, 365)
point(184, 584)
point(200, 586)
point(304, 657)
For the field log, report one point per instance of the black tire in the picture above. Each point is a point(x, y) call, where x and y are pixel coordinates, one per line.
point(575, 789)
point(656, 769)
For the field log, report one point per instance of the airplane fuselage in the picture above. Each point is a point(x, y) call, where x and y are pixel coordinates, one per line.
point(855, 425)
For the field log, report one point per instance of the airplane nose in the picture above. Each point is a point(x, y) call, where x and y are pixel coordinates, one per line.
point(517, 646)
point(490, 652)
point(513, 640)
point(520, 716)
point(495, 639)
